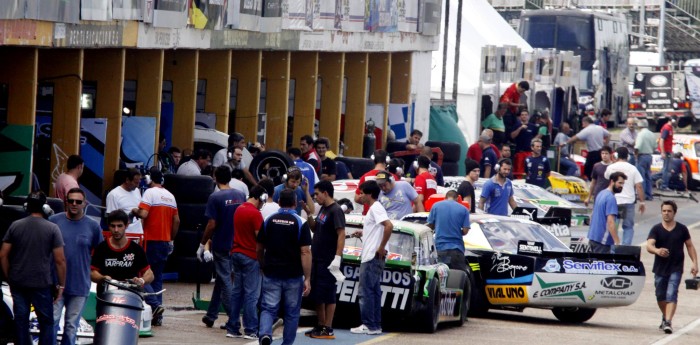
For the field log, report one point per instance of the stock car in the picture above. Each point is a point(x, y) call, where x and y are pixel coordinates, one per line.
point(516, 263)
point(415, 286)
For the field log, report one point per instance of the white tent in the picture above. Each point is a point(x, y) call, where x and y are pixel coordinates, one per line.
point(481, 26)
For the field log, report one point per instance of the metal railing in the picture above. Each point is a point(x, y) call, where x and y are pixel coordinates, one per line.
point(689, 8)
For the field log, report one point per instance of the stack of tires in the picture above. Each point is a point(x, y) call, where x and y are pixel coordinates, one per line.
point(191, 194)
point(452, 156)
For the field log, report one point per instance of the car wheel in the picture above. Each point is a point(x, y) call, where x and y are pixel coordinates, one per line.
point(270, 164)
point(479, 305)
point(431, 312)
point(457, 279)
point(573, 315)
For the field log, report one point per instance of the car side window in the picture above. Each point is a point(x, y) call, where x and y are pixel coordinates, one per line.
point(428, 250)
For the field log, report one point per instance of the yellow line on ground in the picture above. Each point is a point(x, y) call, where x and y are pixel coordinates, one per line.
point(378, 339)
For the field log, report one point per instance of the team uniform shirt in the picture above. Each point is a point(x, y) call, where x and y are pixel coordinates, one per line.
point(161, 207)
point(627, 196)
point(189, 168)
point(325, 241)
point(120, 264)
point(598, 173)
point(426, 185)
point(221, 207)
point(399, 202)
point(667, 137)
point(247, 220)
point(537, 169)
point(313, 159)
point(328, 167)
point(301, 196)
point(511, 95)
point(497, 196)
point(369, 176)
point(373, 231)
point(33, 240)
point(449, 217)
point(488, 159)
point(282, 235)
point(594, 136)
point(604, 206)
point(524, 138)
point(435, 170)
point(121, 199)
point(63, 184)
point(673, 240)
point(307, 170)
point(466, 189)
point(80, 237)
point(475, 152)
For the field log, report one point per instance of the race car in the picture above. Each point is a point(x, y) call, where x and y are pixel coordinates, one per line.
point(415, 286)
point(517, 263)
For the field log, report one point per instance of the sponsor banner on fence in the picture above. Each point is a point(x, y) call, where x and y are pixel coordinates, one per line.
point(152, 37)
point(26, 32)
point(64, 11)
point(170, 13)
point(297, 15)
point(244, 14)
point(327, 14)
point(93, 135)
point(96, 10)
point(507, 294)
point(353, 16)
point(16, 155)
point(397, 288)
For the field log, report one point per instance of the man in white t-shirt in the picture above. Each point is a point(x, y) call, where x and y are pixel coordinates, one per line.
point(626, 198)
point(270, 207)
point(375, 233)
point(126, 197)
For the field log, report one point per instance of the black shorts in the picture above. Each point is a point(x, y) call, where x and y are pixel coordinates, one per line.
point(322, 283)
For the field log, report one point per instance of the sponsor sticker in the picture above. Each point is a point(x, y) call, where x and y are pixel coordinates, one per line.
point(597, 267)
point(552, 266)
point(560, 290)
point(506, 294)
point(501, 264)
point(530, 247)
point(396, 288)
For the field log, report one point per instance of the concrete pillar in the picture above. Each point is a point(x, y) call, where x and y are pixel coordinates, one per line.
point(401, 78)
point(331, 71)
point(64, 68)
point(275, 70)
point(146, 67)
point(304, 71)
point(356, 65)
point(215, 68)
point(380, 75)
point(106, 67)
point(20, 73)
point(246, 68)
point(180, 66)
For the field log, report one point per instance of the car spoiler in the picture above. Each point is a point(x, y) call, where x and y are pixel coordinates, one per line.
point(622, 253)
point(555, 215)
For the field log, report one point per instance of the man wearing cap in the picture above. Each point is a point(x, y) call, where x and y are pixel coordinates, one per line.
point(666, 149)
point(644, 146)
point(380, 164)
point(397, 197)
point(488, 157)
point(161, 221)
point(466, 188)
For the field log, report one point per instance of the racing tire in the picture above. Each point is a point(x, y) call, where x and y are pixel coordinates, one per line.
point(478, 304)
point(189, 189)
point(573, 315)
point(192, 216)
point(452, 152)
point(271, 164)
point(431, 312)
point(186, 243)
point(458, 279)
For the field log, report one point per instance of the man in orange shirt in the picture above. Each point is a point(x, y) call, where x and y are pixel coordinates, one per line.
point(161, 221)
point(425, 183)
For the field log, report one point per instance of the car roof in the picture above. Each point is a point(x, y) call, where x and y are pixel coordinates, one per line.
point(478, 218)
point(399, 225)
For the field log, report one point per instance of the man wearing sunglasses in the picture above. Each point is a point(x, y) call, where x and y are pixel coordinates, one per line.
point(81, 235)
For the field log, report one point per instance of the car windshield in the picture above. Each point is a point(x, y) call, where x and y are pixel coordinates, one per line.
point(400, 246)
point(504, 236)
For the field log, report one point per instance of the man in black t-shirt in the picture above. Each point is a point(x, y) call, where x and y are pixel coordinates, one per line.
point(285, 258)
point(466, 188)
point(666, 241)
point(328, 167)
point(327, 249)
point(118, 257)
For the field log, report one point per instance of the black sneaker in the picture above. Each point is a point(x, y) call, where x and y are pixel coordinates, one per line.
point(265, 340)
point(157, 321)
point(316, 328)
point(222, 326)
point(663, 323)
point(667, 328)
point(208, 321)
point(323, 333)
point(158, 311)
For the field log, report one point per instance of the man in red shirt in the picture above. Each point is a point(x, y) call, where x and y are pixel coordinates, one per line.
point(308, 153)
point(246, 270)
point(512, 96)
point(666, 149)
point(381, 159)
point(425, 183)
point(475, 152)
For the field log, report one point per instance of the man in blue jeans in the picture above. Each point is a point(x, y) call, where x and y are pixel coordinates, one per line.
point(450, 220)
point(81, 236)
point(284, 253)
point(26, 257)
point(221, 207)
point(666, 241)
point(375, 233)
point(247, 220)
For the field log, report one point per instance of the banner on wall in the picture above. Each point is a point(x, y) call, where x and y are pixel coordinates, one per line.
point(429, 17)
point(64, 11)
point(399, 115)
point(138, 140)
point(12, 9)
point(381, 16)
point(131, 9)
point(16, 155)
point(208, 14)
point(327, 14)
point(297, 15)
point(96, 10)
point(271, 20)
point(408, 15)
point(93, 136)
point(244, 14)
point(353, 16)
point(170, 14)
